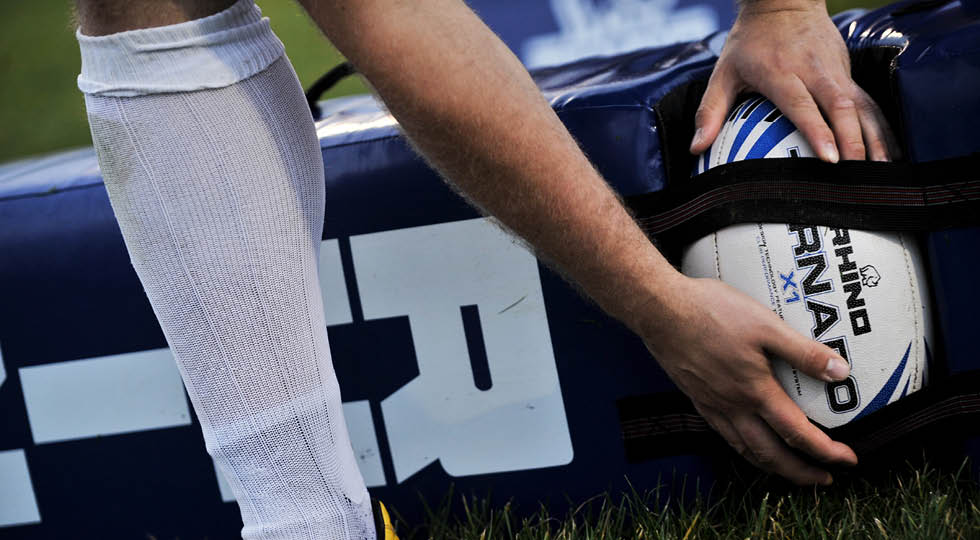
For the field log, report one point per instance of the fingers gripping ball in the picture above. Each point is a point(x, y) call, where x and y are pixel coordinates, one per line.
point(862, 293)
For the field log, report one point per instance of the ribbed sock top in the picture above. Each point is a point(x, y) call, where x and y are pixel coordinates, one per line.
point(211, 52)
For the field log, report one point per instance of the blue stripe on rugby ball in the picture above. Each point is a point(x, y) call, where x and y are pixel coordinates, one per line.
point(906, 389)
point(753, 115)
point(885, 394)
point(773, 135)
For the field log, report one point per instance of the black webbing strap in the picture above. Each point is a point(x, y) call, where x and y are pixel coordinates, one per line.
point(658, 425)
point(663, 424)
point(852, 194)
point(327, 81)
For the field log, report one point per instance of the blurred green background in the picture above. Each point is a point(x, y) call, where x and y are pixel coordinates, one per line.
point(42, 110)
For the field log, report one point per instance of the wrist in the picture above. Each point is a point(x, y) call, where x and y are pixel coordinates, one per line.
point(644, 303)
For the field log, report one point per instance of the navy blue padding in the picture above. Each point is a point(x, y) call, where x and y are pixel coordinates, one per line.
point(517, 21)
point(67, 290)
point(934, 76)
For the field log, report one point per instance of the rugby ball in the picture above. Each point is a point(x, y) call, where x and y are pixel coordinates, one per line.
point(863, 293)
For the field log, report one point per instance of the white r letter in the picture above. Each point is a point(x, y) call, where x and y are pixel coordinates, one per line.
point(429, 273)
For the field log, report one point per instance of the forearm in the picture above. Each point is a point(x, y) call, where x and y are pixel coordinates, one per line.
point(471, 108)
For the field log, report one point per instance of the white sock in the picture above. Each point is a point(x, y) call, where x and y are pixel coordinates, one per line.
point(215, 176)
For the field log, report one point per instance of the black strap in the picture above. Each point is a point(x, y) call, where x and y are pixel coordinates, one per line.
point(326, 82)
point(852, 194)
point(663, 424)
point(658, 425)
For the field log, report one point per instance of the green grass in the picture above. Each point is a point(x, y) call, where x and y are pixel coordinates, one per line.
point(41, 108)
point(918, 503)
point(914, 502)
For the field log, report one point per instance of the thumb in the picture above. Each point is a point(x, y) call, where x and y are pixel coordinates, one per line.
point(811, 357)
point(714, 107)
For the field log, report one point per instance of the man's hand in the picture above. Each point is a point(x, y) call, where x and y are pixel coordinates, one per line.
point(715, 346)
point(791, 52)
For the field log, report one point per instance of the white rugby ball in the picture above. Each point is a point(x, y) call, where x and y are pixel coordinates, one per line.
point(862, 293)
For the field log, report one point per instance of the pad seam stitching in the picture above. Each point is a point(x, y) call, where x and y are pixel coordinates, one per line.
point(913, 292)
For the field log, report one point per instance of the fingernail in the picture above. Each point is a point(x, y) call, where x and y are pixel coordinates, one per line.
point(882, 158)
point(830, 153)
point(698, 136)
point(836, 370)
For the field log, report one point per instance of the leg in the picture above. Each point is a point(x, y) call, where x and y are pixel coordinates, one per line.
point(216, 180)
point(103, 17)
